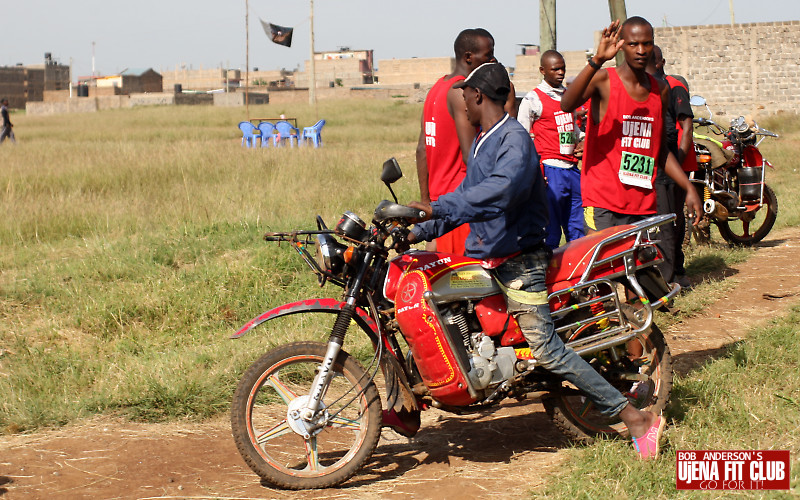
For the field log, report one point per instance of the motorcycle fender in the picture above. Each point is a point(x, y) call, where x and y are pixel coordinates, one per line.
point(398, 390)
point(331, 306)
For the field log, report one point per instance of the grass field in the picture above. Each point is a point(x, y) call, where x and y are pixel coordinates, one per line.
point(131, 249)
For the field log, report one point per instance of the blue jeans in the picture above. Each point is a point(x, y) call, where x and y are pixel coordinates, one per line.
point(526, 273)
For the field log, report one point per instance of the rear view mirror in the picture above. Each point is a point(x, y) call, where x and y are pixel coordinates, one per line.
point(697, 100)
point(391, 171)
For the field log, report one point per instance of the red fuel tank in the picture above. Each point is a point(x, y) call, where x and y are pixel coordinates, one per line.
point(449, 278)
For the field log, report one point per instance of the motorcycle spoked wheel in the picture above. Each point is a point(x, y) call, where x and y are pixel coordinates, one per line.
point(578, 418)
point(751, 227)
point(261, 418)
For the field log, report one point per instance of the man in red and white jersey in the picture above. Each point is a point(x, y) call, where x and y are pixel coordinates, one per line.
point(555, 134)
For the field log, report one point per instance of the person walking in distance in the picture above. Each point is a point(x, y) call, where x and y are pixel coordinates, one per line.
point(8, 127)
point(503, 197)
point(555, 134)
point(625, 130)
point(446, 135)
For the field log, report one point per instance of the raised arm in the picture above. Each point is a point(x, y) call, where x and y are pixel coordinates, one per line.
point(586, 83)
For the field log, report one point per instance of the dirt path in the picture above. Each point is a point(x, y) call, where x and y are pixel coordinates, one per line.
point(453, 457)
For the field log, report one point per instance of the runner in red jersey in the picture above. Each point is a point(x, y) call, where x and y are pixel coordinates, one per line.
point(625, 130)
point(446, 134)
point(619, 163)
point(446, 169)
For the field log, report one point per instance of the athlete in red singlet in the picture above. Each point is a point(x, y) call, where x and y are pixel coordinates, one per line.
point(446, 134)
point(446, 169)
point(619, 163)
point(555, 134)
point(620, 159)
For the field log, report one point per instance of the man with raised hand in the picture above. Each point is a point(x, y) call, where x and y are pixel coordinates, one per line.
point(625, 130)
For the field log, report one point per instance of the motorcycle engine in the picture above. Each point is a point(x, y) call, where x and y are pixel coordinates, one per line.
point(488, 364)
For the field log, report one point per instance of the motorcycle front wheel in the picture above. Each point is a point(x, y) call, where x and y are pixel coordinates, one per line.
point(645, 379)
point(751, 227)
point(273, 439)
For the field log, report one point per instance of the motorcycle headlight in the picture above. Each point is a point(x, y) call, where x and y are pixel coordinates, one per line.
point(352, 226)
point(739, 124)
point(330, 254)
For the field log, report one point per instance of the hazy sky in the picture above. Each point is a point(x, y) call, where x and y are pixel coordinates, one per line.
point(163, 34)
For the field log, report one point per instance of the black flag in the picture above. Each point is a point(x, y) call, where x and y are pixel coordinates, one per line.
point(278, 34)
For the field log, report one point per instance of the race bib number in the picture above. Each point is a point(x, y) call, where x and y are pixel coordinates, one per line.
point(636, 170)
point(566, 143)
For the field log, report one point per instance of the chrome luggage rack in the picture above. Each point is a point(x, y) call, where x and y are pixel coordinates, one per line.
point(624, 330)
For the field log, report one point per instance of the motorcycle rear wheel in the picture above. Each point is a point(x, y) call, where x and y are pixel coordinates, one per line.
point(261, 418)
point(739, 230)
point(578, 418)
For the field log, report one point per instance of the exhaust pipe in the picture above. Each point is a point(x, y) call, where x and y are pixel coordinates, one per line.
point(714, 209)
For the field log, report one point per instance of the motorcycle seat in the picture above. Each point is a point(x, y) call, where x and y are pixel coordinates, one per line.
point(569, 261)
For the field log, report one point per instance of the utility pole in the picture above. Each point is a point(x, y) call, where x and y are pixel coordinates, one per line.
point(618, 11)
point(247, 58)
point(312, 86)
point(730, 5)
point(547, 25)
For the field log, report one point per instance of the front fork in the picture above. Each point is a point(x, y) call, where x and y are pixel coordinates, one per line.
point(323, 377)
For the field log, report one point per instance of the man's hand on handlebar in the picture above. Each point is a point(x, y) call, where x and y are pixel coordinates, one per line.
point(422, 207)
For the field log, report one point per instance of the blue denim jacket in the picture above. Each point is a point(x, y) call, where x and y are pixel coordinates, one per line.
point(502, 196)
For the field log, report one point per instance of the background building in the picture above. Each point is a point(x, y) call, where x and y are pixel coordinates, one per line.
point(343, 68)
point(130, 81)
point(21, 84)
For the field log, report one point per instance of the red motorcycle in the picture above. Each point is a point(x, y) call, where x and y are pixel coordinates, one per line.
point(308, 414)
point(730, 181)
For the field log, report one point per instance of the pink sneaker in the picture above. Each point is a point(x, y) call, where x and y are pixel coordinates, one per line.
point(647, 445)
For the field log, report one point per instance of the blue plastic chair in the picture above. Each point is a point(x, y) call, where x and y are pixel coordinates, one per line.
point(287, 131)
point(248, 134)
point(268, 133)
point(314, 133)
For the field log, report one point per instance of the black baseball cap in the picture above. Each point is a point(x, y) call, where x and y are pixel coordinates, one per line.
point(492, 80)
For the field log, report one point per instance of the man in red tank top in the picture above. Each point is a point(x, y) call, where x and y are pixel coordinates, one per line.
point(625, 130)
point(555, 134)
point(446, 134)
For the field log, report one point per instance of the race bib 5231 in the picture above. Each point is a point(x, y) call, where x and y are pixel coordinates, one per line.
point(637, 170)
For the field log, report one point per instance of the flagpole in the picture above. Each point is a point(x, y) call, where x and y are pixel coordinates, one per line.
point(247, 58)
point(312, 88)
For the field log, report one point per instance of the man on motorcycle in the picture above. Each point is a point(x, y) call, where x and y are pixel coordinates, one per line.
point(503, 198)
